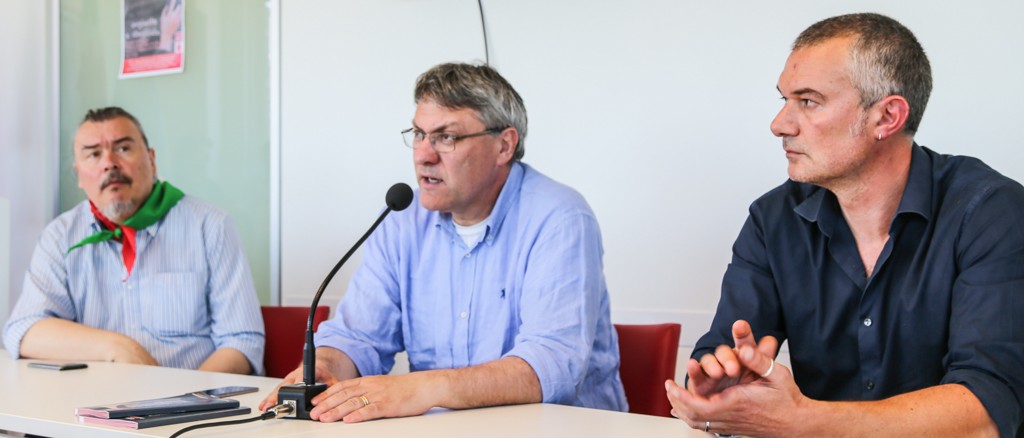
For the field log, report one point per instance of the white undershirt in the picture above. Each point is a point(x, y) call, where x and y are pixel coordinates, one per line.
point(471, 234)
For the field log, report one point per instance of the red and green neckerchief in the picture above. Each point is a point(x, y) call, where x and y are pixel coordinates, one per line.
point(160, 200)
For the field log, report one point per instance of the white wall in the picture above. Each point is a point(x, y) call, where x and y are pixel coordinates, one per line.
point(27, 155)
point(656, 110)
point(346, 92)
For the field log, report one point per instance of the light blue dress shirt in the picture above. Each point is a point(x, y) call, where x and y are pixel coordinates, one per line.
point(190, 292)
point(533, 287)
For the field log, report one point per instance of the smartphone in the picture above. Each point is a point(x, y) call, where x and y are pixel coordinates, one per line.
point(227, 391)
point(58, 366)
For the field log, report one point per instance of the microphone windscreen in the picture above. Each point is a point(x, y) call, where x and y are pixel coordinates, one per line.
point(399, 197)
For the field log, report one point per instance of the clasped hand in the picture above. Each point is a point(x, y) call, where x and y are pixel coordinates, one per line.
point(733, 391)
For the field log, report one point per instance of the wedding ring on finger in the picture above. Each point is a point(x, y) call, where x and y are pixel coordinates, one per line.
point(707, 426)
point(366, 401)
point(771, 367)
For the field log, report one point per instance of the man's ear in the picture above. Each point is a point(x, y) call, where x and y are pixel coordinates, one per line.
point(509, 139)
point(893, 113)
point(152, 160)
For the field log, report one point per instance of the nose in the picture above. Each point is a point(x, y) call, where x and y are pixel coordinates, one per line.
point(424, 153)
point(783, 125)
point(109, 160)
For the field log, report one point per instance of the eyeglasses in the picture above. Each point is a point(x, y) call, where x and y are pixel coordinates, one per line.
point(441, 141)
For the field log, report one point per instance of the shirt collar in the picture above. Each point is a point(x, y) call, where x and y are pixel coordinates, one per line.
point(822, 207)
point(810, 208)
point(506, 199)
point(917, 196)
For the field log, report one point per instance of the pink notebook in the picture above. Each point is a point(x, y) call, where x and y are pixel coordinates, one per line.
point(153, 420)
point(181, 403)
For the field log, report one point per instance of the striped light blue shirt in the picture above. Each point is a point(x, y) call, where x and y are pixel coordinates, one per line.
point(533, 287)
point(190, 292)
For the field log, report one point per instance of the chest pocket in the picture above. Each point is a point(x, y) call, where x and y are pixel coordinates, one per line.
point(174, 304)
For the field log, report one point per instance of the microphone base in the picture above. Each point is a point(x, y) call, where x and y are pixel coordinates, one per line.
point(299, 395)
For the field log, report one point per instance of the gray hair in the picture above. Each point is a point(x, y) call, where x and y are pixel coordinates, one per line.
point(111, 113)
point(885, 60)
point(480, 88)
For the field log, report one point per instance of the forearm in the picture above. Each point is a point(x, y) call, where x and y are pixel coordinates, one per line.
point(505, 381)
point(55, 338)
point(337, 363)
point(227, 360)
point(946, 410)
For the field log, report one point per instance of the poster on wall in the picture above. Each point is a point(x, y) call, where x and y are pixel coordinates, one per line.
point(152, 38)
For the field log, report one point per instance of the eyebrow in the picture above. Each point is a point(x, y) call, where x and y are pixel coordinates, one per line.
point(118, 141)
point(803, 91)
point(437, 129)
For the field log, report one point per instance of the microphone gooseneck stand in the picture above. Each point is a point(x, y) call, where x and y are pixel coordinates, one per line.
point(298, 395)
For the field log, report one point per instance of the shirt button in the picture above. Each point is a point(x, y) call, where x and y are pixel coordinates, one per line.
point(867, 322)
point(870, 385)
point(468, 254)
point(463, 315)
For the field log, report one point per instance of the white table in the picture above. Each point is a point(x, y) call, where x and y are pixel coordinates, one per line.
point(42, 402)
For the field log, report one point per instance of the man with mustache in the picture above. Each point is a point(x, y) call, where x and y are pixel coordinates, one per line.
point(139, 272)
point(894, 272)
point(492, 282)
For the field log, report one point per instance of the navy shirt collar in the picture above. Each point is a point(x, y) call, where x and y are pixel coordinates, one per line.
point(917, 196)
point(823, 208)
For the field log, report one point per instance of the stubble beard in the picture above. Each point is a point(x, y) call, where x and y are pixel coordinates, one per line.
point(118, 211)
point(830, 177)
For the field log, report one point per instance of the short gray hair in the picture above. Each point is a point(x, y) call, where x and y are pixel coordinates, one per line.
point(112, 112)
point(480, 88)
point(885, 59)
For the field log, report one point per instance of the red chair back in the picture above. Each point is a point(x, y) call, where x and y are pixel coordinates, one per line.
point(647, 358)
point(285, 329)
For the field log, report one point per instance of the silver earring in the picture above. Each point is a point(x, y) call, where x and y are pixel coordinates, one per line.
point(879, 136)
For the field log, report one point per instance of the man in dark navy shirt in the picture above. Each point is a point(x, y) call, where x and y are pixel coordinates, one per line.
point(896, 273)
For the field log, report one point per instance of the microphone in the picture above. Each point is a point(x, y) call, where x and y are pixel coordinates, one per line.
point(298, 395)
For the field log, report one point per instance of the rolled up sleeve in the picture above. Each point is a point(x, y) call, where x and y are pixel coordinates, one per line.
point(236, 321)
point(368, 324)
point(561, 306)
point(44, 292)
point(986, 341)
